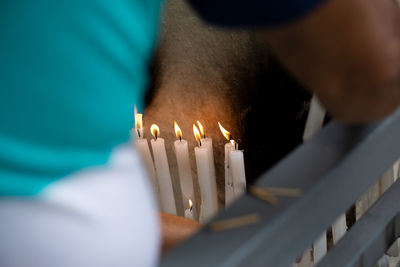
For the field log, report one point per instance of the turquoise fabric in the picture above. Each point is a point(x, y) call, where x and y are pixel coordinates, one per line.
point(70, 73)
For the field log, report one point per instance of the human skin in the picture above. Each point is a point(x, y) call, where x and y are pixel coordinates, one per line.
point(175, 230)
point(348, 53)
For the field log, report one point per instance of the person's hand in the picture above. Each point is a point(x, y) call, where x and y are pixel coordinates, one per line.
point(348, 52)
point(175, 230)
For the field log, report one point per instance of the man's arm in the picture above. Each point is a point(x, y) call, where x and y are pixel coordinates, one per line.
point(348, 52)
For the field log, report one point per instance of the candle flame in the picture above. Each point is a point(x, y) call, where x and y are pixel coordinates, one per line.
point(155, 130)
point(196, 134)
point(203, 134)
point(139, 124)
point(228, 136)
point(225, 132)
point(190, 204)
point(178, 131)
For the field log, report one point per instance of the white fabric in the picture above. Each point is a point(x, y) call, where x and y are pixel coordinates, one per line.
point(103, 216)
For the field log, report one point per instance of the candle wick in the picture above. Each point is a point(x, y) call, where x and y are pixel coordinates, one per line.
point(199, 142)
point(204, 136)
point(191, 207)
point(156, 135)
point(180, 138)
point(138, 132)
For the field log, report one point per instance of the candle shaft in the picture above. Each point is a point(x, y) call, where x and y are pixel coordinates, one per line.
point(238, 176)
point(184, 170)
point(207, 143)
point(163, 176)
point(209, 202)
point(189, 214)
point(229, 192)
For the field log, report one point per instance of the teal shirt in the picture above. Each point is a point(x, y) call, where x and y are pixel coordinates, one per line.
point(70, 73)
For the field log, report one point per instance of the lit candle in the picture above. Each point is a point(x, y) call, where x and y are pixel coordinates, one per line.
point(208, 188)
point(144, 151)
point(235, 177)
point(138, 123)
point(167, 200)
point(184, 170)
point(229, 193)
point(189, 211)
point(236, 164)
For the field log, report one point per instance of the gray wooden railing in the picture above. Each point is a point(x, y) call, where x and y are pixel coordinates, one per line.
point(332, 169)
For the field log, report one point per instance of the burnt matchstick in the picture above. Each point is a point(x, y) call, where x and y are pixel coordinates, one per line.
point(235, 222)
point(263, 194)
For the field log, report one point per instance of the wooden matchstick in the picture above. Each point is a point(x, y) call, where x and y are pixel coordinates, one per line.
point(235, 222)
point(263, 194)
point(284, 191)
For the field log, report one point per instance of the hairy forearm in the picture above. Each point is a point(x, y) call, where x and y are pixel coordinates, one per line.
point(348, 53)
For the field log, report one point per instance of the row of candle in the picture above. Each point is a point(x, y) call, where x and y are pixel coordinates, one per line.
point(158, 170)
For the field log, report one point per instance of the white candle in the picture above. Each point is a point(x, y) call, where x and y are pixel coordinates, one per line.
point(162, 170)
point(189, 214)
point(236, 164)
point(235, 177)
point(142, 146)
point(209, 202)
point(229, 192)
point(185, 173)
point(189, 211)
point(184, 170)
point(207, 143)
